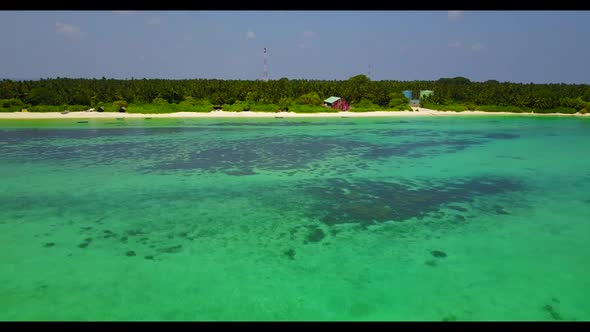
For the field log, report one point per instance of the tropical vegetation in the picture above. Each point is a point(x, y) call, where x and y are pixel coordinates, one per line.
point(297, 95)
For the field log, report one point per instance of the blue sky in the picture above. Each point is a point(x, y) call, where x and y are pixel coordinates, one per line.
point(517, 46)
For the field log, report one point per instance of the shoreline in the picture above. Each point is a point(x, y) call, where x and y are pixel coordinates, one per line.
point(222, 114)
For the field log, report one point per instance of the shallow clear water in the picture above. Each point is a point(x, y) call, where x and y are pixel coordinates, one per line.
point(450, 218)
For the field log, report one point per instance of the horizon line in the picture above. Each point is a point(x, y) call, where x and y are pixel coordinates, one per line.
point(276, 79)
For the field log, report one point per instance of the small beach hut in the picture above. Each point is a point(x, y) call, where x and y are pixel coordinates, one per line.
point(330, 101)
point(337, 103)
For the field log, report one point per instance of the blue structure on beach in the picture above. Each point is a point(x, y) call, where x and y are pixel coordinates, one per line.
point(407, 94)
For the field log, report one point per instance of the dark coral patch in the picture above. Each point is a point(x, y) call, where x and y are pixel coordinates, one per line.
point(431, 262)
point(438, 253)
point(339, 201)
point(552, 312)
point(290, 253)
point(315, 235)
point(172, 249)
point(457, 208)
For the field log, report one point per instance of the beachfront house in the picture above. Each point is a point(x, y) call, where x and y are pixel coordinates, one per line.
point(337, 103)
point(426, 93)
point(416, 102)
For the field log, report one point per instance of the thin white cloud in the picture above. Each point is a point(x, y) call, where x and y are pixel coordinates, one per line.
point(154, 20)
point(250, 35)
point(455, 15)
point(306, 36)
point(477, 46)
point(68, 30)
point(309, 34)
point(456, 44)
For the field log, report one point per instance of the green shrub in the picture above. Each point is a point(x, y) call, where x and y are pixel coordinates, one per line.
point(120, 103)
point(12, 102)
point(497, 108)
point(159, 101)
point(194, 106)
point(583, 111)
point(184, 106)
point(239, 106)
point(399, 108)
point(266, 108)
point(311, 98)
point(576, 103)
point(365, 105)
point(151, 108)
point(46, 108)
point(298, 108)
point(11, 109)
point(76, 108)
point(196, 102)
point(397, 99)
point(450, 107)
point(285, 103)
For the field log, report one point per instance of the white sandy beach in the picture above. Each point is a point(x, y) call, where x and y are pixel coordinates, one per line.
point(221, 114)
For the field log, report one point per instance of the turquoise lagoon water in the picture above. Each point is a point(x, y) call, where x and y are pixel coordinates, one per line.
point(430, 218)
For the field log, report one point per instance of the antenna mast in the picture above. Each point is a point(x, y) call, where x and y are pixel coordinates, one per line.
point(265, 74)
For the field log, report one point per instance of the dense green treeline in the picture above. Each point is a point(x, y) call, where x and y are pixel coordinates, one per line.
point(454, 94)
